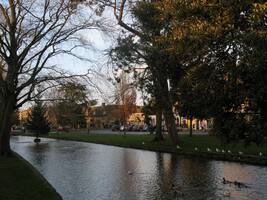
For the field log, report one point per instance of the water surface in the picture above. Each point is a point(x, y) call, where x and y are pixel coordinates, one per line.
point(85, 171)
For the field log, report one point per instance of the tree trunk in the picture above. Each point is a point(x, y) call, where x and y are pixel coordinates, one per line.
point(158, 135)
point(190, 126)
point(168, 111)
point(7, 110)
point(161, 90)
point(263, 114)
point(170, 123)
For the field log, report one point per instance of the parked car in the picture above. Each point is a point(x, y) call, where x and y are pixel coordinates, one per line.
point(115, 127)
point(125, 128)
point(135, 128)
point(141, 127)
point(63, 129)
point(17, 130)
point(145, 127)
point(130, 127)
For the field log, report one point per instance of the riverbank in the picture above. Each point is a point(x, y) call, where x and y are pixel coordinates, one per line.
point(205, 146)
point(20, 181)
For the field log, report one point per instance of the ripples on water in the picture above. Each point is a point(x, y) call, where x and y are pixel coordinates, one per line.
point(84, 171)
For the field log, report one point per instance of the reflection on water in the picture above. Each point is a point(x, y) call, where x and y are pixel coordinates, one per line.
point(84, 171)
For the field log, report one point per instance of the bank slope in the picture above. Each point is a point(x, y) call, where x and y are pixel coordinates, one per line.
point(20, 181)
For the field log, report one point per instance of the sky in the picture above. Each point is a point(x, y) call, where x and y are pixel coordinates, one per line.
point(97, 61)
point(101, 42)
point(100, 89)
point(97, 64)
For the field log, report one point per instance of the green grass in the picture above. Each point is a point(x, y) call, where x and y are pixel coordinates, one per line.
point(202, 142)
point(18, 181)
point(188, 144)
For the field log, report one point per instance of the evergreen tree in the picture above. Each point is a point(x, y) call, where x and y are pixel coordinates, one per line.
point(37, 121)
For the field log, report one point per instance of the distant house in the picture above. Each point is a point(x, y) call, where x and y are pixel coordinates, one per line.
point(136, 118)
point(183, 122)
point(105, 116)
point(24, 114)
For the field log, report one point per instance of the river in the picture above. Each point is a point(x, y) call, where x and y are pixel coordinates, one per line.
point(85, 171)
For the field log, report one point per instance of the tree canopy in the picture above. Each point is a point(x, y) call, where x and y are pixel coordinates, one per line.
point(70, 104)
point(224, 43)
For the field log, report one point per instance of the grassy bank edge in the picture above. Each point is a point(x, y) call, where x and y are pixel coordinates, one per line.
point(233, 157)
point(35, 175)
point(39, 175)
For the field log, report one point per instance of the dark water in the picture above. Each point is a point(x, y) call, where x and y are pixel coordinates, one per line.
point(84, 171)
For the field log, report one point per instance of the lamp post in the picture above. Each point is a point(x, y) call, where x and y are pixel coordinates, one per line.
point(169, 85)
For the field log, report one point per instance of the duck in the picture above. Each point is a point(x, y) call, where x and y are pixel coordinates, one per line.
point(226, 181)
point(130, 173)
point(226, 194)
point(239, 184)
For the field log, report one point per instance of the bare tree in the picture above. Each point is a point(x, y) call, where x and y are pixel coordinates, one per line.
point(31, 33)
point(125, 96)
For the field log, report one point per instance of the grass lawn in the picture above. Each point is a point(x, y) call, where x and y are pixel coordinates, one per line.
point(18, 181)
point(187, 146)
